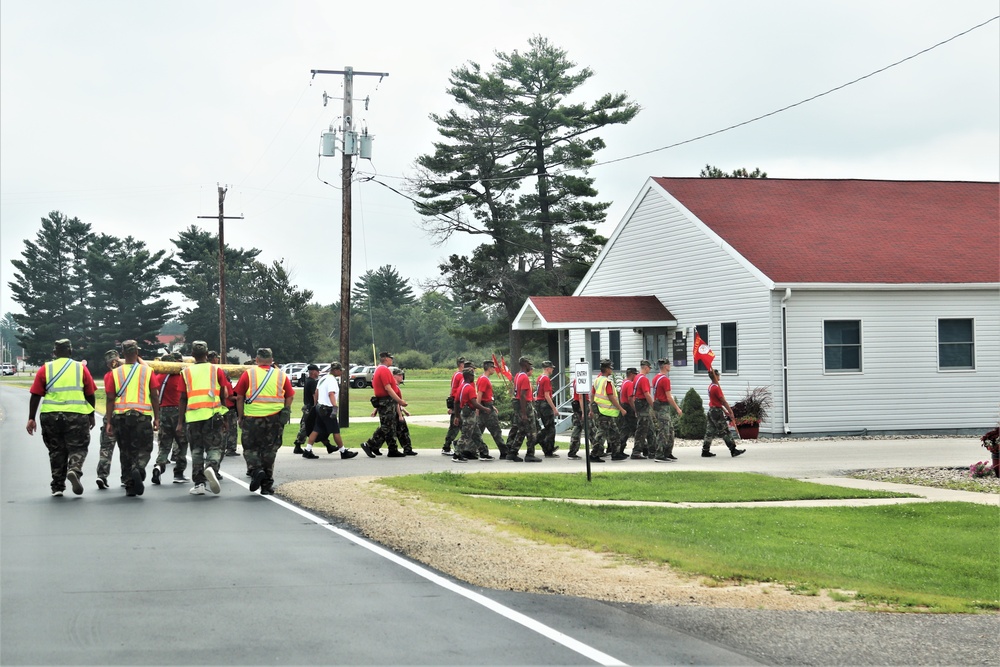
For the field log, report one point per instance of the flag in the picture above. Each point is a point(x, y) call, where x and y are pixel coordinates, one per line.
point(503, 368)
point(702, 352)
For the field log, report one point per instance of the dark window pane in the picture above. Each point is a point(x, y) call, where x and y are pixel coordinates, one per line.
point(842, 332)
point(729, 350)
point(955, 331)
point(595, 349)
point(842, 345)
point(615, 345)
point(956, 355)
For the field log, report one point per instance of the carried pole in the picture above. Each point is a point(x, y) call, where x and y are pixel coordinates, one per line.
point(223, 349)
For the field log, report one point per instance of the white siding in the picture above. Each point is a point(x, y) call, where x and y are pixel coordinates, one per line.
point(900, 387)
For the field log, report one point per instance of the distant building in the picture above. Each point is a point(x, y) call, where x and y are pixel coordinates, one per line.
point(865, 306)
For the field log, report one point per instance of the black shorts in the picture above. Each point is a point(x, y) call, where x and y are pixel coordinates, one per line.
point(326, 421)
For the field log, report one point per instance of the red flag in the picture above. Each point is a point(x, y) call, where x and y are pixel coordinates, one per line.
point(702, 352)
point(503, 369)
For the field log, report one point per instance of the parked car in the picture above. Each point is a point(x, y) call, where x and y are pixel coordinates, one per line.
point(361, 376)
point(293, 369)
point(299, 379)
point(7, 369)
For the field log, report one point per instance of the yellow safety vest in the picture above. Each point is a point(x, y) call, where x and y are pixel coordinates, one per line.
point(203, 400)
point(267, 399)
point(64, 388)
point(136, 395)
point(601, 397)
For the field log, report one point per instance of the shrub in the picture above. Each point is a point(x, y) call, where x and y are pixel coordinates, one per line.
point(691, 425)
point(413, 359)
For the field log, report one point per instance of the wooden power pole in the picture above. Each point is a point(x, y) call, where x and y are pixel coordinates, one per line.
point(223, 348)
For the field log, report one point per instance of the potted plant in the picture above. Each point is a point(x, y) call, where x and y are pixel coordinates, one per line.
point(751, 410)
point(991, 441)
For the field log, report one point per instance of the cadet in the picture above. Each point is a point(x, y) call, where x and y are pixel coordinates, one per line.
point(719, 415)
point(136, 414)
point(264, 397)
point(605, 409)
point(489, 421)
point(545, 409)
point(386, 398)
point(173, 441)
point(471, 443)
point(642, 400)
point(525, 428)
point(67, 415)
point(229, 415)
point(452, 403)
point(627, 424)
point(112, 360)
point(204, 391)
point(662, 401)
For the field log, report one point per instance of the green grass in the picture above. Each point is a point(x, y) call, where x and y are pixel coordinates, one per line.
point(939, 557)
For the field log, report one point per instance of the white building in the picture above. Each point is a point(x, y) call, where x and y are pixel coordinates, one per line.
point(865, 306)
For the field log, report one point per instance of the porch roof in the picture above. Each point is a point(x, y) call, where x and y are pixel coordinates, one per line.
point(592, 312)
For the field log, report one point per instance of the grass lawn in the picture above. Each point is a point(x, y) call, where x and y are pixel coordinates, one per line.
point(939, 557)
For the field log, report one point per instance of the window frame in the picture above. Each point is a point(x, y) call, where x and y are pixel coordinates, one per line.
point(595, 354)
point(860, 345)
point(972, 343)
point(615, 347)
point(734, 348)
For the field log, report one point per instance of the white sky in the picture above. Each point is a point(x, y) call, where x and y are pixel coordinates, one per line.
point(127, 114)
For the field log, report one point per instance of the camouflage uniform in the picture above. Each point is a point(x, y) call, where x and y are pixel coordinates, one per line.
point(574, 436)
point(403, 433)
point(305, 425)
point(135, 439)
point(108, 443)
point(229, 435)
point(261, 441)
point(644, 430)
point(717, 427)
point(547, 434)
point(523, 430)
point(471, 443)
point(67, 436)
point(387, 418)
point(491, 422)
point(605, 429)
point(206, 439)
point(172, 445)
point(664, 430)
point(626, 428)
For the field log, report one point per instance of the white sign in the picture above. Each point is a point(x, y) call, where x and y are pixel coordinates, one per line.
point(582, 376)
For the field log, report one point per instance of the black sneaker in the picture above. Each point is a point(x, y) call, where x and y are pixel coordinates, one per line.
point(367, 449)
point(637, 456)
point(330, 449)
point(232, 453)
point(737, 452)
point(347, 454)
point(671, 457)
point(485, 457)
point(515, 458)
point(410, 452)
point(458, 458)
point(267, 490)
point(531, 458)
point(618, 457)
point(446, 451)
point(258, 479)
point(102, 483)
point(395, 454)
point(553, 455)
point(137, 487)
point(156, 474)
point(298, 449)
point(573, 456)
point(707, 454)
point(308, 454)
point(596, 459)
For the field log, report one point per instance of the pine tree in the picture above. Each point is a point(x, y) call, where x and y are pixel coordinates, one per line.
point(692, 424)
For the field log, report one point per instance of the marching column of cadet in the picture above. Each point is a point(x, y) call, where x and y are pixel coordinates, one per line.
point(199, 409)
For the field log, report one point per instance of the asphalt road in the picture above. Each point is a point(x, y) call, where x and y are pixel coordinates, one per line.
point(170, 578)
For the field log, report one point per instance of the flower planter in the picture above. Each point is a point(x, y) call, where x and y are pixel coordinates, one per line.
point(748, 431)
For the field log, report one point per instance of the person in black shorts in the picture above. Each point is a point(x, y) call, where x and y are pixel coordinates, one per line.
point(327, 405)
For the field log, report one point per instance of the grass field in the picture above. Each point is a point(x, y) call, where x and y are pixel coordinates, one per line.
point(939, 557)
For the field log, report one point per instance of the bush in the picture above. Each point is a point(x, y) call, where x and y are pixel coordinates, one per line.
point(692, 424)
point(413, 359)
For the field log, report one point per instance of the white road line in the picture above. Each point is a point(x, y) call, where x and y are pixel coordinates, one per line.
point(586, 651)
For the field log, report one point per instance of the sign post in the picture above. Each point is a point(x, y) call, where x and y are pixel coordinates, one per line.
point(582, 375)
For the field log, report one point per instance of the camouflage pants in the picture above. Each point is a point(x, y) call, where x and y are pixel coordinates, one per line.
point(524, 429)
point(454, 430)
point(491, 422)
point(108, 443)
point(645, 432)
point(386, 431)
point(172, 445)
point(626, 428)
point(206, 440)
point(574, 435)
point(135, 439)
point(306, 424)
point(229, 437)
point(547, 434)
point(471, 441)
point(664, 430)
point(718, 427)
point(67, 437)
point(605, 429)
point(403, 433)
point(261, 441)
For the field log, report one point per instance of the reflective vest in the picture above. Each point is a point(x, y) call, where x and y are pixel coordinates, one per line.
point(136, 395)
point(64, 388)
point(267, 399)
point(201, 383)
point(601, 397)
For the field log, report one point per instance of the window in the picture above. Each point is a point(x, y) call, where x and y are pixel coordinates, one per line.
point(615, 347)
point(595, 350)
point(656, 346)
point(702, 330)
point(956, 344)
point(842, 346)
point(729, 364)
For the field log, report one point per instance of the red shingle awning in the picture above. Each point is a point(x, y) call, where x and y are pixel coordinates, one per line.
point(593, 312)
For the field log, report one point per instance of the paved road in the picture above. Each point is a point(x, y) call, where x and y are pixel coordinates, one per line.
point(170, 578)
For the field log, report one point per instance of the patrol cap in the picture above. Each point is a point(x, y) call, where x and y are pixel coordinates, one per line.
point(110, 355)
point(647, 363)
point(488, 363)
point(631, 370)
point(62, 345)
point(167, 357)
point(312, 367)
point(385, 355)
point(468, 370)
point(548, 364)
point(460, 360)
point(469, 364)
point(130, 345)
point(525, 361)
point(199, 346)
point(212, 353)
point(397, 371)
point(606, 363)
point(663, 362)
point(336, 366)
point(178, 356)
point(264, 353)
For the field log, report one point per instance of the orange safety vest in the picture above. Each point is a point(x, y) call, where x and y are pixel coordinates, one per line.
point(132, 389)
point(266, 395)
point(203, 400)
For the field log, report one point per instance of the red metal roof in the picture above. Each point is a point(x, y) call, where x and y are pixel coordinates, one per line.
point(853, 231)
point(565, 309)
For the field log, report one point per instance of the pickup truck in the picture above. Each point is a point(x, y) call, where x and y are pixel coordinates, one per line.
point(362, 377)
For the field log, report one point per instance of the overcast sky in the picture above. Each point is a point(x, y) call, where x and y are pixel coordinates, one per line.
point(126, 114)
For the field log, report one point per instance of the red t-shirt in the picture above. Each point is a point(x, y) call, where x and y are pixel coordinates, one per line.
point(38, 386)
point(467, 392)
point(662, 384)
point(384, 378)
point(243, 385)
point(485, 387)
point(456, 384)
point(715, 396)
point(576, 396)
point(640, 388)
point(626, 391)
point(543, 385)
point(170, 393)
point(522, 386)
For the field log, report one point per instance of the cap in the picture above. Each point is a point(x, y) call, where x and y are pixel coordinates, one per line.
point(469, 364)
point(264, 353)
point(548, 364)
point(663, 362)
point(312, 367)
point(385, 355)
point(130, 345)
point(468, 370)
point(63, 344)
point(397, 371)
point(525, 360)
point(111, 354)
point(631, 370)
point(199, 346)
point(167, 357)
point(606, 363)
point(212, 353)
point(488, 363)
point(336, 366)
point(178, 356)
point(460, 360)
point(646, 362)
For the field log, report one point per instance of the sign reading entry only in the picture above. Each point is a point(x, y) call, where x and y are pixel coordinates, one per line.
point(582, 375)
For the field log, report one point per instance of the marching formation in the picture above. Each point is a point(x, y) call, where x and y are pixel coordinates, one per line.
point(196, 409)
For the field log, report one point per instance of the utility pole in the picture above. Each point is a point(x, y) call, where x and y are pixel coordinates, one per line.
point(223, 349)
point(350, 149)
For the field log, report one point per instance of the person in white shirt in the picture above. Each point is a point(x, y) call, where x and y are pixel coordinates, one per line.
point(327, 404)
